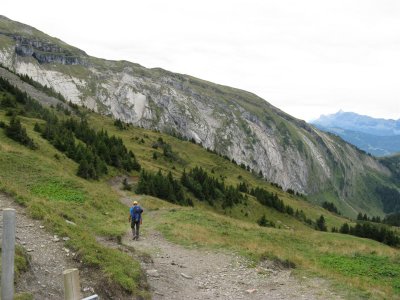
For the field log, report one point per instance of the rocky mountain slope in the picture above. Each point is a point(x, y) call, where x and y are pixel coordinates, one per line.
point(232, 122)
point(376, 136)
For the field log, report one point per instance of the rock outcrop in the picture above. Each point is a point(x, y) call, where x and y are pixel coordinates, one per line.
point(45, 52)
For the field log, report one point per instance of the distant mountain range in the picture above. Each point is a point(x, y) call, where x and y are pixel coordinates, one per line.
point(379, 137)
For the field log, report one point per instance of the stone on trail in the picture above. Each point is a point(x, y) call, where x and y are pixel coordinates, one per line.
point(186, 276)
point(251, 291)
point(153, 273)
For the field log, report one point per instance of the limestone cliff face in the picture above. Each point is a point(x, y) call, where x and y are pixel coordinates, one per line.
point(233, 122)
point(44, 52)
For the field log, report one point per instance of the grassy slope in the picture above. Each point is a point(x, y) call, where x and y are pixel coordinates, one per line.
point(51, 191)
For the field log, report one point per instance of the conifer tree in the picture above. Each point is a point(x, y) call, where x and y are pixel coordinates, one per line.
point(83, 169)
point(345, 229)
point(320, 224)
point(18, 133)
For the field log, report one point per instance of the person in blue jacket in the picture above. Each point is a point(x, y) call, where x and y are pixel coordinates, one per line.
point(135, 217)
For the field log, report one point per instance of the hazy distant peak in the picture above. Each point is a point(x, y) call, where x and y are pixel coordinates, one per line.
point(361, 123)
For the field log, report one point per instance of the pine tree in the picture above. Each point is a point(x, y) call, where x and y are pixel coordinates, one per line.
point(345, 229)
point(83, 169)
point(320, 224)
point(262, 221)
point(18, 133)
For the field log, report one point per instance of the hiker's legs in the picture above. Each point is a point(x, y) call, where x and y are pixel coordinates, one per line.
point(137, 226)
point(133, 230)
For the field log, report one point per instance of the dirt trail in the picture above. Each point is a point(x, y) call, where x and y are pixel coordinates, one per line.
point(48, 257)
point(175, 272)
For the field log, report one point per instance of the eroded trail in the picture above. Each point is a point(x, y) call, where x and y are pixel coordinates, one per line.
point(176, 272)
point(48, 257)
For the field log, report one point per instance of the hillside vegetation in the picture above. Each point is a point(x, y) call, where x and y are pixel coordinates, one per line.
point(45, 179)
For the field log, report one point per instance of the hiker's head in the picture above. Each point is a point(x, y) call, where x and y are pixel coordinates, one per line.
point(135, 202)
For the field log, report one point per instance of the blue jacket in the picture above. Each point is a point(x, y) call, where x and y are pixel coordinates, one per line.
point(136, 213)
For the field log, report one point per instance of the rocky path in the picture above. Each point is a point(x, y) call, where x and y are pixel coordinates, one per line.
point(175, 272)
point(48, 257)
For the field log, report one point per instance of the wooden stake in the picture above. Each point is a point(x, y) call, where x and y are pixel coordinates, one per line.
point(72, 289)
point(7, 254)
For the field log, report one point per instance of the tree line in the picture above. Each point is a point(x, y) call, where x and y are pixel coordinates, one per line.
point(392, 219)
point(329, 206)
point(163, 187)
point(93, 150)
point(375, 232)
point(390, 198)
point(16, 102)
point(210, 189)
point(17, 132)
point(364, 217)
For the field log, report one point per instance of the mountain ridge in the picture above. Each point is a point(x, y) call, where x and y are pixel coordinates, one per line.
point(362, 123)
point(377, 136)
point(232, 122)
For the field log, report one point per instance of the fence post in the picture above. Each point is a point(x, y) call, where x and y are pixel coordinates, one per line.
point(72, 289)
point(7, 254)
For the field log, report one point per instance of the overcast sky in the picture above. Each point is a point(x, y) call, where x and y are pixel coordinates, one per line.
point(306, 57)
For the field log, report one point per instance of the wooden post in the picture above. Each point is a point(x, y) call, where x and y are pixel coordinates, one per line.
point(7, 254)
point(72, 289)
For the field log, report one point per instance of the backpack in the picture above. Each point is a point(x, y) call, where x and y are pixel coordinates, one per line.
point(136, 212)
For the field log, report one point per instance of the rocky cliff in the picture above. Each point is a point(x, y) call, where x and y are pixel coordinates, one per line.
point(233, 122)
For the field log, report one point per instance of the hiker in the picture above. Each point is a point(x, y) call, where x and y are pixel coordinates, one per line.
point(135, 217)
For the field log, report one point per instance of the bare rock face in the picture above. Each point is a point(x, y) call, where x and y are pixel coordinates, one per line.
point(44, 52)
point(234, 123)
